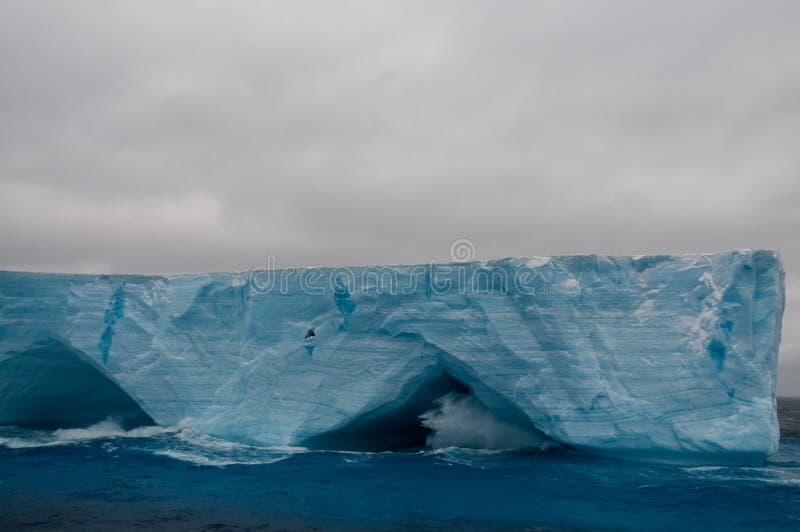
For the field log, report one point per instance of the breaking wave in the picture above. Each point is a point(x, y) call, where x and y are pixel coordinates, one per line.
point(201, 449)
point(180, 442)
point(462, 421)
point(463, 431)
point(109, 428)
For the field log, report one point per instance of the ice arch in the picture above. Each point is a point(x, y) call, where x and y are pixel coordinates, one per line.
point(434, 401)
point(51, 386)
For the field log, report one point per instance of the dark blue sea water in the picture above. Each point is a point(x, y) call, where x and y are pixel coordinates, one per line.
point(103, 478)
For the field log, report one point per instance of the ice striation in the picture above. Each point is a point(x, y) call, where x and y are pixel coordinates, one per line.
point(667, 358)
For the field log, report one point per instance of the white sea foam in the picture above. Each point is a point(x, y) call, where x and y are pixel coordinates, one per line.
point(198, 448)
point(203, 459)
point(110, 429)
point(181, 442)
point(12, 442)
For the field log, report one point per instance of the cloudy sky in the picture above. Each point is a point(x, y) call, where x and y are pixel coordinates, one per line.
point(161, 137)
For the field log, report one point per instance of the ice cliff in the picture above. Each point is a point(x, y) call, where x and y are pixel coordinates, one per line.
point(658, 357)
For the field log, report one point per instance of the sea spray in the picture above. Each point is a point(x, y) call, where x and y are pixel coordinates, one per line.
point(461, 420)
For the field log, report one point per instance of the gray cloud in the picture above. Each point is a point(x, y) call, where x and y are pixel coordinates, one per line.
point(195, 136)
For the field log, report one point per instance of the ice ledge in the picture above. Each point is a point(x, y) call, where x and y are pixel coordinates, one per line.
point(666, 357)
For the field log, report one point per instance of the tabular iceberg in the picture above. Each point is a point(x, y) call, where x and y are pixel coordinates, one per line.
point(669, 358)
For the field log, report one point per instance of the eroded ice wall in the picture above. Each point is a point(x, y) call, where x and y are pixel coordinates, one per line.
point(657, 357)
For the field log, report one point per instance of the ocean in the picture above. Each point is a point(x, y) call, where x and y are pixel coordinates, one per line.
point(173, 478)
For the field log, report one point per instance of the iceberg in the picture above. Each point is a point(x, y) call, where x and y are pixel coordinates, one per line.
point(664, 358)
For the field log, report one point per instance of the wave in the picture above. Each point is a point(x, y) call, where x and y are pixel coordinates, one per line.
point(180, 442)
point(16, 438)
point(198, 448)
point(184, 443)
point(110, 429)
point(462, 421)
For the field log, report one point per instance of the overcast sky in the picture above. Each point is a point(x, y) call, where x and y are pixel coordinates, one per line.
point(164, 137)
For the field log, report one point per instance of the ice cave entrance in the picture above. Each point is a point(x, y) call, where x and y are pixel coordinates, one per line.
point(53, 386)
point(440, 412)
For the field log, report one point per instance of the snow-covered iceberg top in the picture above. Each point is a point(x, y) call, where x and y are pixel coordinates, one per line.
point(655, 357)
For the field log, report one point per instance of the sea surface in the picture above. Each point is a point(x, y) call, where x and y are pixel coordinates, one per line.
point(105, 478)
